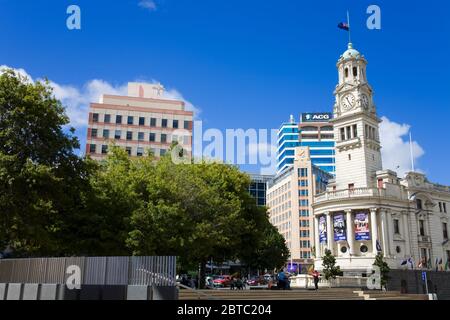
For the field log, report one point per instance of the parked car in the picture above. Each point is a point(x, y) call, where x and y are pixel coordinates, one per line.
point(222, 281)
point(256, 281)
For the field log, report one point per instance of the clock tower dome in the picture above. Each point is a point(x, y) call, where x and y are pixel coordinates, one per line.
point(358, 155)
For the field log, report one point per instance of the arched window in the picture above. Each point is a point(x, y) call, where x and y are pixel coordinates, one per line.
point(346, 72)
point(355, 71)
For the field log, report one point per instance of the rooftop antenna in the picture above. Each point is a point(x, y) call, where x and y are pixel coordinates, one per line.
point(292, 118)
point(411, 151)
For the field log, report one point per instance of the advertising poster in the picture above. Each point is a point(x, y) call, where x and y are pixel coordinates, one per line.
point(362, 231)
point(322, 229)
point(339, 228)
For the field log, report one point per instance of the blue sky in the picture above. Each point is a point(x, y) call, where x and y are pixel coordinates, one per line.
point(247, 64)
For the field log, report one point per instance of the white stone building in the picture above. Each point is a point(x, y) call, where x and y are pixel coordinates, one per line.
point(367, 209)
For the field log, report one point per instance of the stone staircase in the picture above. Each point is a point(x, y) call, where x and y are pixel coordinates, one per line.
point(391, 295)
point(321, 294)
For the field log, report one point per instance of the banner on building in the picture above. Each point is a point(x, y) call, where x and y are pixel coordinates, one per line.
point(322, 229)
point(339, 228)
point(362, 231)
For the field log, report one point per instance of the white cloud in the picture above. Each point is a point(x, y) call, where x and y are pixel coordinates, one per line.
point(148, 4)
point(395, 147)
point(20, 71)
point(173, 94)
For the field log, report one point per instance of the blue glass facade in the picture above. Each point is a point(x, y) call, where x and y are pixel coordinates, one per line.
point(317, 135)
point(288, 140)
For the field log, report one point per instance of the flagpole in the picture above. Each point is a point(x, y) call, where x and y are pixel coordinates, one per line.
point(411, 152)
point(349, 28)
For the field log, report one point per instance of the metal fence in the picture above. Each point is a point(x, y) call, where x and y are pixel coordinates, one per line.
point(158, 271)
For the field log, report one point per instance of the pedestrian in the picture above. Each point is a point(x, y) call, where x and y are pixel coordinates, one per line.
point(281, 280)
point(316, 276)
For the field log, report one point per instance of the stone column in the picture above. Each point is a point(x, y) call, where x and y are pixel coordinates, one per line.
point(406, 231)
point(330, 236)
point(390, 230)
point(374, 229)
point(350, 232)
point(316, 237)
point(384, 233)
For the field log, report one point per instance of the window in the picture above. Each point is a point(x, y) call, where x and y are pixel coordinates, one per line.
point(440, 206)
point(424, 254)
point(355, 131)
point(140, 152)
point(118, 119)
point(421, 227)
point(303, 172)
point(94, 133)
point(342, 134)
point(419, 204)
point(141, 121)
point(444, 231)
point(380, 183)
point(163, 138)
point(355, 71)
point(141, 136)
point(105, 133)
point(130, 120)
point(152, 122)
point(303, 193)
point(304, 203)
point(349, 156)
point(444, 205)
point(303, 183)
point(92, 148)
point(396, 226)
point(107, 118)
point(346, 72)
point(117, 134)
point(187, 125)
point(95, 117)
point(351, 186)
point(163, 152)
point(104, 149)
point(152, 137)
point(349, 134)
point(164, 123)
point(175, 124)
point(128, 150)
point(129, 135)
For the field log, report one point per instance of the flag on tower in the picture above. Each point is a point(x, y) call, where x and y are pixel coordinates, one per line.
point(344, 26)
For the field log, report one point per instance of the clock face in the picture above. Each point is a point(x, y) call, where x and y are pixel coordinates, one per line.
point(301, 153)
point(365, 101)
point(348, 102)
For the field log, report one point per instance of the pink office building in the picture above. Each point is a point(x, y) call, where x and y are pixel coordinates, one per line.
point(140, 122)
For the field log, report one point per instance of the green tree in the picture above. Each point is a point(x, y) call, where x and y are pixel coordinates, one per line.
point(384, 269)
point(269, 250)
point(41, 177)
point(330, 269)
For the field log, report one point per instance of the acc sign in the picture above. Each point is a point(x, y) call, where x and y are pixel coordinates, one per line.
point(316, 117)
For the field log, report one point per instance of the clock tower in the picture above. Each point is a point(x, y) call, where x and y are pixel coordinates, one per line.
point(356, 131)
